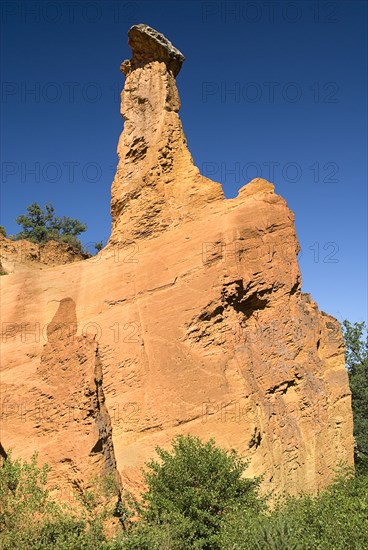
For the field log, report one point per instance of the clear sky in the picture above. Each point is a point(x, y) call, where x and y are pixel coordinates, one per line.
point(271, 89)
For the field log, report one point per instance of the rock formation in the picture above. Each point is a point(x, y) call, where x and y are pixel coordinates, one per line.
point(24, 255)
point(191, 320)
point(156, 186)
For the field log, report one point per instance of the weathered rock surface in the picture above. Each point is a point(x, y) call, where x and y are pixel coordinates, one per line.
point(191, 320)
point(156, 186)
point(149, 45)
point(24, 255)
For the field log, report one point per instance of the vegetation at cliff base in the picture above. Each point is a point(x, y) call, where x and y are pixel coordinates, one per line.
point(196, 498)
point(30, 518)
point(192, 488)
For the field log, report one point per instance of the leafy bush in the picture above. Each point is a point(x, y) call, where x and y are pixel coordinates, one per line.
point(336, 519)
point(190, 490)
point(30, 518)
point(23, 492)
point(173, 533)
point(99, 246)
point(2, 231)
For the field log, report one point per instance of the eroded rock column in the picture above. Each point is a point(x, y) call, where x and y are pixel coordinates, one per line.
point(156, 183)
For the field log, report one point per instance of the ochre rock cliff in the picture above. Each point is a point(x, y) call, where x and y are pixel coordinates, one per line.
point(24, 255)
point(191, 320)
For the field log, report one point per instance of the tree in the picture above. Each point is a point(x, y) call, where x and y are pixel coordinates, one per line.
point(194, 486)
point(40, 226)
point(356, 357)
point(98, 246)
point(2, 231)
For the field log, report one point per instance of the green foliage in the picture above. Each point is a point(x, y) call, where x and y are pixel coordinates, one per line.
point(69, 239)
point(192, 488)
point(30, 518)
point(40, 226)
point(337, 519)
point(98, 246)
point(356, 356)
point(23, 492)
point(173, 533)
point(2, 231)
point(242, 531)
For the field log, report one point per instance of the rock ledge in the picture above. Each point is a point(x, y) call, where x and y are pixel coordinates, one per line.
point(149, 45)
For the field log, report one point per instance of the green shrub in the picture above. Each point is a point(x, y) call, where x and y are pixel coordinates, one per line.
point(337, 519)
point(189, 491)
point(196, 498)
point(31, 519)
point(40, 226)
point(175, 532)
point(99, 246)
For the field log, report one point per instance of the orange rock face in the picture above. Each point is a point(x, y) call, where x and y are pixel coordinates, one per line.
point(24, 255)
point(191, 320)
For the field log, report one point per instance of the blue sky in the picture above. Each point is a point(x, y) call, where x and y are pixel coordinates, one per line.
point(271, 89)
